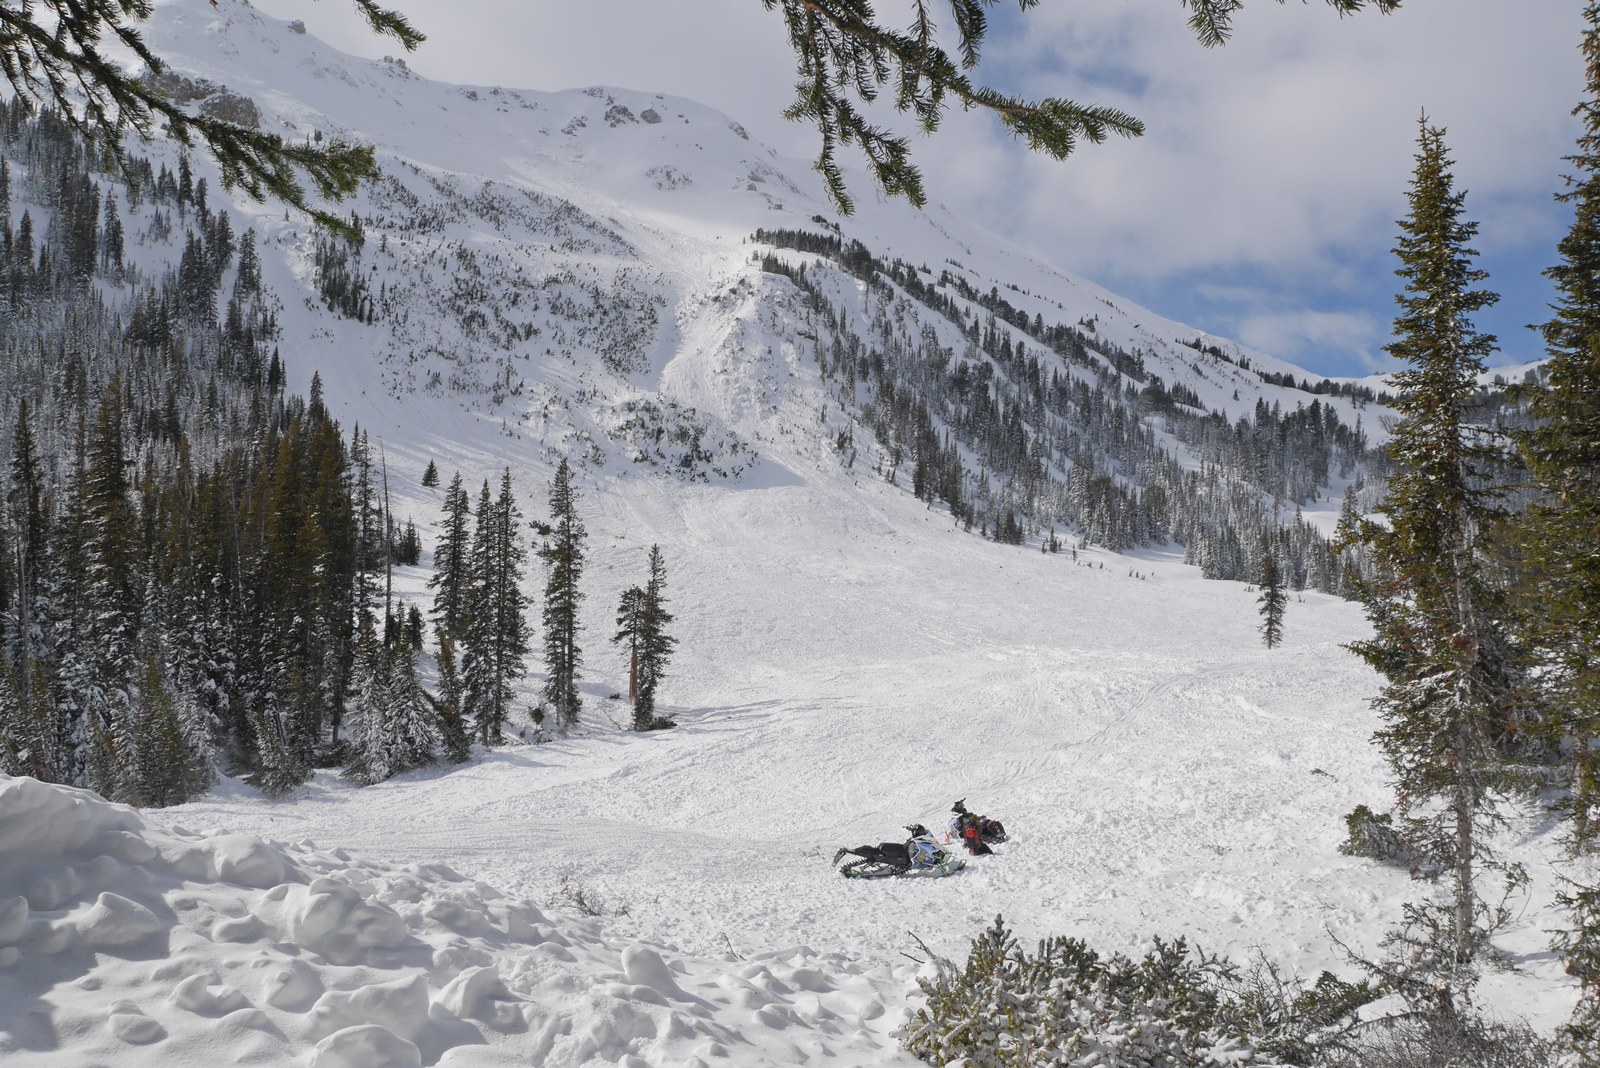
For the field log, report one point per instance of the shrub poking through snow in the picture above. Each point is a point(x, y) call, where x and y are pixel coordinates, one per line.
point(1442, 1040)
point(1371, 835)
point(1066, 1005)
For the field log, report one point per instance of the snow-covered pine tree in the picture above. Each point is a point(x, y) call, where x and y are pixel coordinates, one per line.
point(1272, 600)
point(31, 726)
point(173, 751)
point(370, 542)
point(655, 642)
point(477, 661)
point(1439, 638)
point(1562, 451)
point(366, 754)
point(627, 636)
point(408, 728)
point(108, 605)
point(452, 560)
point(497, 630)
point(455, 740)
point(563, 559)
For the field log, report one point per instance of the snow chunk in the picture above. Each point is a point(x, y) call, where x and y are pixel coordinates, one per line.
point(239, 858)
point(645, 967)
point(129, 1023)
point(13, 920)
point(366, 1046)
point(400, 1007)
point(292, 985)
point(234, 858)
point(330, 918)
point(206, 995)
point(480, 994)
point(113, 920)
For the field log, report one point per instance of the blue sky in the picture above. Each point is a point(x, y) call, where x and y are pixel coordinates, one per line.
point(1261, 203)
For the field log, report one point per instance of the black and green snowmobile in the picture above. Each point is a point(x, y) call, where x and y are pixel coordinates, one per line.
point(920, 854)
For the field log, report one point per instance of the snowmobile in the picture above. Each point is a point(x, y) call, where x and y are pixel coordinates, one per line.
point(921, 854)
point(975, 832)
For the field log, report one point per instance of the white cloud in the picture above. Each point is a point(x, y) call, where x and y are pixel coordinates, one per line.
point(1357, 336)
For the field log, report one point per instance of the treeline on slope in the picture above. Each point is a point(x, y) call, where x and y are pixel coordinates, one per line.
point(181, 543)
point(185, 551)
point(1033, 425)
point(195, 569)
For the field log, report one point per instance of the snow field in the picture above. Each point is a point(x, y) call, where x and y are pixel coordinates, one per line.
point(843, 672)
point(126, 943)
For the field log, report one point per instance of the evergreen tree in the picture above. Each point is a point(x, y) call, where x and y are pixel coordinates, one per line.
point(1562, 452)
point(366, 752)
point(108, 606)
point(398, 730)
point(1563, 457)
point(563, 559)
point(1272, 601)
point(455, 741)
point(1439, 640)
point(452, 559)
point(497, 630)
point(25, 508)
point(371, 542)
point(630, 629)
point(430, 476)
point(28, 741)
point(280, 765)
point(655, 643)
point(174, 745)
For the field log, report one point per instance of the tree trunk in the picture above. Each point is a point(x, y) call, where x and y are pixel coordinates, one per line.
point(633, 677)
point(1580, 794)
point(1462, 806)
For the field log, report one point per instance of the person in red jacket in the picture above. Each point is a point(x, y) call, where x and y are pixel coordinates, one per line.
point(973, 830)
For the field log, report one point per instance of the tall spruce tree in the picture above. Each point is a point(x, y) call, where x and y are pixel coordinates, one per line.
point(642, 620)
point(25, 508)
point(1272, 600)
point(1439, 640)
point(563, 559)
point(629, 627)
point(109, 606)
point(1562, 452)
point(497, 629)
point(655, 643)
point(455, 740)
point(451, 579)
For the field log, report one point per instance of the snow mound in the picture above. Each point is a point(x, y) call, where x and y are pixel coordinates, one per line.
point(123, 942)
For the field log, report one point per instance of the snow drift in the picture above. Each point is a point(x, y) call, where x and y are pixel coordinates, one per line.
point(121, 942)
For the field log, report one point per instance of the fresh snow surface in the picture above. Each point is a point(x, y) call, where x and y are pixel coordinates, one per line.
point(841, 674)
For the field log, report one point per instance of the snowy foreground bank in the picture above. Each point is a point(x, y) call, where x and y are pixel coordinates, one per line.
point(128, 944)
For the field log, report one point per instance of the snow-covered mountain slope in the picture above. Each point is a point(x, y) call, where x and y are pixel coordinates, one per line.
point(575, 268)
